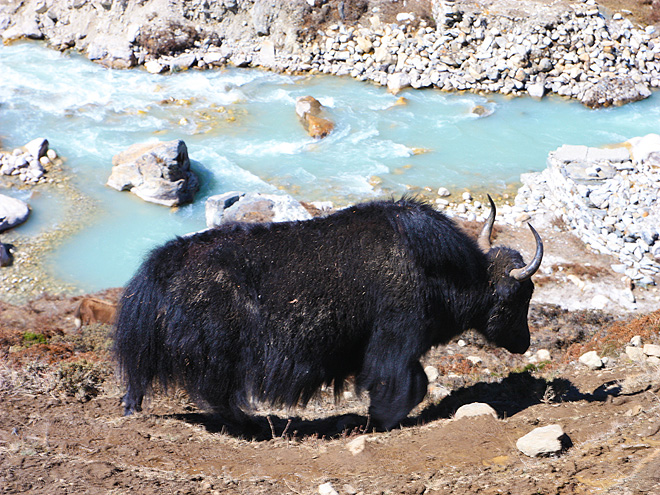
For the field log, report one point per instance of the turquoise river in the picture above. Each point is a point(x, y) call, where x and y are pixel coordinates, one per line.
point(243, 134)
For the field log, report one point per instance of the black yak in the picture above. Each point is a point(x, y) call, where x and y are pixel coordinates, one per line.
point(247, 313)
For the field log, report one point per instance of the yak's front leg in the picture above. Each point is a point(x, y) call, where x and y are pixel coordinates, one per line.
point(393, 396)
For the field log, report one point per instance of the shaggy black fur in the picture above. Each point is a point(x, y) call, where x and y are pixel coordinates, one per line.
point(270, 312)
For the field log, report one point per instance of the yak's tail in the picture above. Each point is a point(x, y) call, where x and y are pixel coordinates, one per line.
point(138, 336)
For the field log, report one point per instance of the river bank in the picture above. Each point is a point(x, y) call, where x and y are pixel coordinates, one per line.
point(580, 50)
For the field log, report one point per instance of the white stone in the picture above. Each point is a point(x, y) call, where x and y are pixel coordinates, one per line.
point(398, 81)
point(600, 301)
point(432, 373)
point(652, 350)
point(475, 409)
point(154, 67)
point(357, 445)
point(642, 147)
point(635, 353)
point(541, 441)
point(327, 489)
point(474, 359)
point(37, 147)
point(543, 355)
point(591, 360)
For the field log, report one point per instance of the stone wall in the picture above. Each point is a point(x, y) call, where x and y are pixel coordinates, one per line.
point(610, 198)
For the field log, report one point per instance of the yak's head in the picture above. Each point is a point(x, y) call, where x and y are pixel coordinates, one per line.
point(512, 287)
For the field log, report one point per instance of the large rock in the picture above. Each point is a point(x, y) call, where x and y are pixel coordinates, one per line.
point(544, 441)
point(253, 207)
point(13, 212)
point(310, 111)
point(614, 91)
point(156, 172)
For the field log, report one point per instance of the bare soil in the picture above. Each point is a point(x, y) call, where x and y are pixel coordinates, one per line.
point(61, 428)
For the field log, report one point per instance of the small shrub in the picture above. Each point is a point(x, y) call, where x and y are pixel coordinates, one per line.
point(31, 338)
point(82, 379)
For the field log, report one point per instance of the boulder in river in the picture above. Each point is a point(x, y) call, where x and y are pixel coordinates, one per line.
point(156, 172)
point(13, 212)
point(310, 111)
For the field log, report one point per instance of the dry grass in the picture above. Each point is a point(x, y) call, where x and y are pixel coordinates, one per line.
point(614, 338)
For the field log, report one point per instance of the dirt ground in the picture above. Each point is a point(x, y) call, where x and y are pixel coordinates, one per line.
point(61, 428)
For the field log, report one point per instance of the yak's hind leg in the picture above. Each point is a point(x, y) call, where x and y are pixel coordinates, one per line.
point(394, 395)
point(132, 401)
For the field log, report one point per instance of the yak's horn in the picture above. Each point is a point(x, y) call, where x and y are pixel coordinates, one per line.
point(526, 272)
point(487, 230)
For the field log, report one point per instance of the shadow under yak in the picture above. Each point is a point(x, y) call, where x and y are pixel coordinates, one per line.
point(511, 395)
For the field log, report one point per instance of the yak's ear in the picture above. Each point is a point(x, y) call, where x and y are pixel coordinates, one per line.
point(506, 288)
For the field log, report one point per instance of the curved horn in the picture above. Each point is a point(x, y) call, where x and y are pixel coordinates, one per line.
point(487, 230)
point(526, 272)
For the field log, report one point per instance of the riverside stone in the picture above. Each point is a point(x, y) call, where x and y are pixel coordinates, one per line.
point(13, 212)
point(156, 172)
point(253, 207)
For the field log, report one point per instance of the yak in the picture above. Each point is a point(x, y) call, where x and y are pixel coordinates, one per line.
point(269, 312)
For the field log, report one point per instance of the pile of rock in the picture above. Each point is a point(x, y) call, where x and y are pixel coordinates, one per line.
point(608, 197)
point(29, 163)
point(636, 351)
point(529, 47)
point(575, 53)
